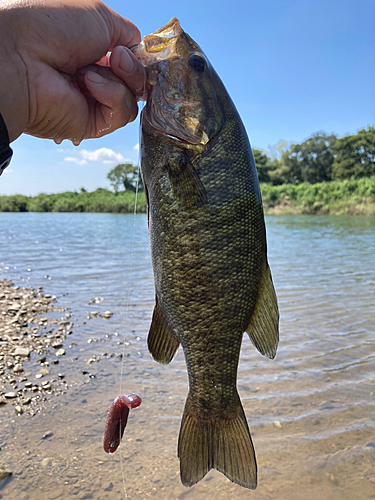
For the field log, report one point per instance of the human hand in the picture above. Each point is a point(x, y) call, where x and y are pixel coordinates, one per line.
point(57, 80)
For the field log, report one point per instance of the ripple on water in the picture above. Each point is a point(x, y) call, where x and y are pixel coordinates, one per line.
point(310, 410)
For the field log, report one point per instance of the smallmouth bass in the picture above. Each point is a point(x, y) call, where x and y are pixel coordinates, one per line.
point(208, 249)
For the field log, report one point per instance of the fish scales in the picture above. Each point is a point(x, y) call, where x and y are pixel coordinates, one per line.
point(208, 250)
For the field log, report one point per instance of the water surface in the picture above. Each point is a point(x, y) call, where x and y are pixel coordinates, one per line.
point(310, 410)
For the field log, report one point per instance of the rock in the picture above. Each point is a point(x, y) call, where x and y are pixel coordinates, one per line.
point(18, 410)
point(47, 435)
point(26, 401)
point(57, 344)
point(44, 371)
point(10, 395)
point(46, 387)
point(107, 315)
point(57, 493)
point(61, 376)
point(60, 352)
point(42, 359)
point(4, 473)
point(18, 368)
point(91, 361)
point(22, 351)
point(14, 306)
point(277, 424)
point(45, 462)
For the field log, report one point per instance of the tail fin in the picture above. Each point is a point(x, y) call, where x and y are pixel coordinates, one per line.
point(223, 444)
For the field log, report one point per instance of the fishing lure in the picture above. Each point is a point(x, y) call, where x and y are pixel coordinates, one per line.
point(117, 419)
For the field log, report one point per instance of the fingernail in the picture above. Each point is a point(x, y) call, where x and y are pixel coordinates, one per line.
point(94, 77)
point(126, 61)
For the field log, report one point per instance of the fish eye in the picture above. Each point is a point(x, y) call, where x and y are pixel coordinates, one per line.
point(197, 62)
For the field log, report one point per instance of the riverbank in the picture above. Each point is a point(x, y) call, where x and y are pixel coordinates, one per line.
point(349, 197)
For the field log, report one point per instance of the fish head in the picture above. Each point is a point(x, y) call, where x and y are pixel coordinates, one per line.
point(182, 102)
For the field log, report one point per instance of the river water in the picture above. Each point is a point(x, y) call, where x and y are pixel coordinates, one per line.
point(310, 410)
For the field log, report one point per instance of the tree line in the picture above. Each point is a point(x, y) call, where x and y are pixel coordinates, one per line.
point(320, 158)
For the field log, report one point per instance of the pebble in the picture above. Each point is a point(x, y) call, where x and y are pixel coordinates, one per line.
point(45, 462)
point(4, 473)
point(107, 315)
point(18, 410)
point(10, 395)
point(57, 493)
point(277, 424)
point(18, 368)
point(21, 351)
point(60, 352)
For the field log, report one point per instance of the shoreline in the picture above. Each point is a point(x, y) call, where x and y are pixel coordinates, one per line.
point(349, 197)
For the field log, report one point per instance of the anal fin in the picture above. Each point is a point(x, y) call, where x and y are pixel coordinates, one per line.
point(263, 328)
point(161, 341)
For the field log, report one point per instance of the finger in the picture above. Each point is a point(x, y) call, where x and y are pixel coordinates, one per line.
point(122, 31)
point(111, 106)
point(126, 66)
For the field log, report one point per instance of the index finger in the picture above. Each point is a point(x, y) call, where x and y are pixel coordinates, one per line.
point(122, 31)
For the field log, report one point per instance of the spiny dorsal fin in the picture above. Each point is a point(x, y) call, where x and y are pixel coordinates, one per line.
point(263, 328)
point(160, 341)
point(187, 187)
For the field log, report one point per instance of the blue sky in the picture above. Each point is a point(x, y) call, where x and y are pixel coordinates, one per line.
point(292, 67)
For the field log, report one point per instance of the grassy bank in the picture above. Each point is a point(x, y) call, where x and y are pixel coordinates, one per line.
point(355, 197)
point(101, 200)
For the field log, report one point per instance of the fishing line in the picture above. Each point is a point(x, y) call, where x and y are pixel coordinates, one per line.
point(127, 304)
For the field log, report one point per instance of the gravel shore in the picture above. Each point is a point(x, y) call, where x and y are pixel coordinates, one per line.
point(28, 329)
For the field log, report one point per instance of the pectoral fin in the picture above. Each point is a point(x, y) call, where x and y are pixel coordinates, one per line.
point(187, 186)
point(160, 341)
point(263, 328)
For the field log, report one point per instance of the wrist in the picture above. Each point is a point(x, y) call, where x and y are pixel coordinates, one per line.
point(14, 106)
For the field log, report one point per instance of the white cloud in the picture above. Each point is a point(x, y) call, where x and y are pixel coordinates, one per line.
point(75, 160)
point(105, 155)
point(136, 147)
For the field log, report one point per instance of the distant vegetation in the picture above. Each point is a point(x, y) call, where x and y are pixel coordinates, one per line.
point(101, 200)
point(322, 175)
point(321, 158)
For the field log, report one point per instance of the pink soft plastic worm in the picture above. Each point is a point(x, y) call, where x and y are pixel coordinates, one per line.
point(116, 420)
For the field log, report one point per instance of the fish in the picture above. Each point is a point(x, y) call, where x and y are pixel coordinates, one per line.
point(208, 249)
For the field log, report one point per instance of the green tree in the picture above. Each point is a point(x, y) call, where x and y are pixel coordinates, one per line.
point(125, 176)
point(311, 161)
point(355, 155)
point(263, 164)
